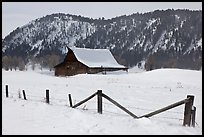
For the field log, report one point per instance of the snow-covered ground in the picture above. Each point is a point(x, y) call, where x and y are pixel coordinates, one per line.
point(140, 92)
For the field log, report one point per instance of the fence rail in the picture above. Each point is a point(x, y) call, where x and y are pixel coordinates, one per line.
point(85, 100)
point(166, 108)
point(189, 111)
point(120, 106)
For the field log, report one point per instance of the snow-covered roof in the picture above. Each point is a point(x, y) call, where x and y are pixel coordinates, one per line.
point(96, 57)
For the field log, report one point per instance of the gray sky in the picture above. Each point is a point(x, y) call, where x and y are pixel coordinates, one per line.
point(17, 14)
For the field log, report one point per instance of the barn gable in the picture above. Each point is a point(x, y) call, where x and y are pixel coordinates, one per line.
point(83, 60)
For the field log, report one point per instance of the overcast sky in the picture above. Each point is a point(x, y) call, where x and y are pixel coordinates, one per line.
point(17, 14)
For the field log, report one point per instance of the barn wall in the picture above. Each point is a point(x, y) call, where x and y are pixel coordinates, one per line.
point(97, 70)
point(94, 70)
point(74, 68)
point(60, 71)
point(71, 66)
point(70, 69)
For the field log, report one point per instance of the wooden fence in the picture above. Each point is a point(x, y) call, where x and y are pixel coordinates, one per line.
point(189, 110)
point(189, 113)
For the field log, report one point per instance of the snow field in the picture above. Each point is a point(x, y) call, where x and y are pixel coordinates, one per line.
point(140, 93)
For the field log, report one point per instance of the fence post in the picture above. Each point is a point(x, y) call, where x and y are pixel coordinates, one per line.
point(19, 94)
point(187, 111)
point(7, 91)
point(24, 95)
point(99, 93)
point(193, 116)
point(70, 100)
point(47, 96)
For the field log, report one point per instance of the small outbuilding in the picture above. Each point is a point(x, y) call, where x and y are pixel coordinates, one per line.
point(84, 60)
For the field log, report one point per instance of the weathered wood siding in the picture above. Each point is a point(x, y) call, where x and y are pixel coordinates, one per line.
point(70, 69)
point(60, 71)
point(71, 66)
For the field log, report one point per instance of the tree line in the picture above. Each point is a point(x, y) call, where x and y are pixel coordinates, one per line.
point(19, 63)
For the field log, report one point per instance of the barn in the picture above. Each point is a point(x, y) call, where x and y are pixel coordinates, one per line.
point(84, 60)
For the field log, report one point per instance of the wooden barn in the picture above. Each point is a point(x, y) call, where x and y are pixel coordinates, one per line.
point(83, 60)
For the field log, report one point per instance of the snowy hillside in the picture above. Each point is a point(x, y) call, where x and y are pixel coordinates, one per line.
point(140, 93)
point(172, 37)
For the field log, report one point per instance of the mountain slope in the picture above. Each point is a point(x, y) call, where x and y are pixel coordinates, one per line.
point(47, 34)
point(170, 38)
